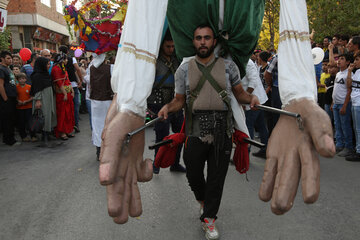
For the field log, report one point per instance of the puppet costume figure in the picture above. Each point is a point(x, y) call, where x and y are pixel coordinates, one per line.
point(289, 156)
point(101, 96)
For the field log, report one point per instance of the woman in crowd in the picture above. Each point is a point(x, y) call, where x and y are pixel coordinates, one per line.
point(43, 95)
point(64, 98)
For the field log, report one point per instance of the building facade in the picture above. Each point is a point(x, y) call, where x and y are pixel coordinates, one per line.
point(37, 24)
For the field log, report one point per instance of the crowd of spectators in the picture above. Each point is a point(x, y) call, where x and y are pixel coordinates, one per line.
point(52, 82)
point(338, 82)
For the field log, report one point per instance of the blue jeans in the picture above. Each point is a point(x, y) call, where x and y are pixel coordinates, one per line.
point(276, 103)
point(329, 112)
point(257, 119)
point(356, 121)
point(88, 106)
point(343, 131)
point(76, 105)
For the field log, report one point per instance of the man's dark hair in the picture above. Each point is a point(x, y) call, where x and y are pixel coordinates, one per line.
point(16, 65)
point(33, 57)
point(337, 36)
point(345, 38)
point(3, 54)
point(329, 38)
point(348, 57)
point(20, 75)
point(64, 49)
point(264, 55)
point(356, 41)
point(16, 56)
point(168, 36)
point(205, 25)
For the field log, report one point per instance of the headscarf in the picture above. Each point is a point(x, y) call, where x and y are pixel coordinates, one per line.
point(40, 77)
point(59, 60)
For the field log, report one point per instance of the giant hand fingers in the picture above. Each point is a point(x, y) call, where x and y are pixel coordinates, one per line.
point(310, 173)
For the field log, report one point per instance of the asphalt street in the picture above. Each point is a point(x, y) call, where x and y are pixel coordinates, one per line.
point(54, 194)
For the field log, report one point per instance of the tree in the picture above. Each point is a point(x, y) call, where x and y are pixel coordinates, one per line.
point(329, 17)
point(5, 39)
point(270, 30)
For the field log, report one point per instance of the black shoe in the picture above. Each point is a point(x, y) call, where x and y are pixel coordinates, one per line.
point(98, 149)
point(353, 157)
point(261, 153)
point(177, 168)
point(77, 129)
point(339, 149)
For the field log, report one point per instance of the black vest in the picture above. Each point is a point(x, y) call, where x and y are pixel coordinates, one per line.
point(71, 70)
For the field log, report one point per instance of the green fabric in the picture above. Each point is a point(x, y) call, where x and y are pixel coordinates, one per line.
point(242, 21)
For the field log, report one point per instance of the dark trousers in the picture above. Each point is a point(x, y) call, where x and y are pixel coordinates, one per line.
point(257, 119)
point(23, 120)
point(162, 128)
point(8, 115)
point(196, 153)
point(275, 103)
point(76, 105)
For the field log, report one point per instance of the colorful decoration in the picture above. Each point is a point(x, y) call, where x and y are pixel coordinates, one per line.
point(78, 52)
point(25, 54)
point(98, 34)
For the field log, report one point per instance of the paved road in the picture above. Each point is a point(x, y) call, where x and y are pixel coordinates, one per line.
point(54, 194)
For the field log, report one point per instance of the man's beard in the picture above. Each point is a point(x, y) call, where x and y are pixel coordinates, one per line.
point(205, 54)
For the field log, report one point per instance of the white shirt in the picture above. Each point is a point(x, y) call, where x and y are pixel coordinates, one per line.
point(355, 93)
point(252, 80)
point(340, 89)
point(74, 84)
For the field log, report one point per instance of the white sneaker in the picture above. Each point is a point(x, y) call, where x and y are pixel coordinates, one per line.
point(211, 232)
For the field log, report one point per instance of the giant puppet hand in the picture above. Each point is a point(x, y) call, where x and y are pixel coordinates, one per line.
point(122, 165)
point(293, 154)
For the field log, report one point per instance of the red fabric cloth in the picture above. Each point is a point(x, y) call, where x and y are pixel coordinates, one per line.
point(166, 155)
point(64, 109)
point(241, 154)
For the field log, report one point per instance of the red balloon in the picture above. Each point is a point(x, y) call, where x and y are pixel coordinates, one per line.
point(25, 54)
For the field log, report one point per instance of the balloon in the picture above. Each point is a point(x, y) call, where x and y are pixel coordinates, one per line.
point(318, 55)
point(78, 52)
point(25, 54)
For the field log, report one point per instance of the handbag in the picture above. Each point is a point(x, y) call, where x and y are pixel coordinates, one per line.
point(37, 121)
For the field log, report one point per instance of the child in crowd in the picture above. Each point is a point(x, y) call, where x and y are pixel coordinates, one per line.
point(342, 108)
point(321, 84)
point(24, 107)
point(329, 83)
point(354, 82)
point(16, 69)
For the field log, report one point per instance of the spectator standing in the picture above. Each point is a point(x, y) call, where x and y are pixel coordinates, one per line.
point(321, 84)
point(76, 80)
point(8, 99)
point(342, 108)
point(47, 54)
point(255, 118)
point(17, 60)
point(326, 42)
point(271, 78)
point(29, 68)
point(354, 82)
point(24, 108)
point(354, 44)
point(43, 95)
point(329, 83)
point(87, 94)
point(64, 98)
point(16, 69)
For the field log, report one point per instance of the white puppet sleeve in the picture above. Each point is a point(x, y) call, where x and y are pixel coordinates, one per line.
point(295, 61)
point(134, 70)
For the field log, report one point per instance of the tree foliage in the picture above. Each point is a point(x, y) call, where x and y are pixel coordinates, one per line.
point(270, 29)
point(5, 39)
point(329, 17)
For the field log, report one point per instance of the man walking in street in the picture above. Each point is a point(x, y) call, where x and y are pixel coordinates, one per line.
point(162, 93)
point(8, 99)
point(202, 85)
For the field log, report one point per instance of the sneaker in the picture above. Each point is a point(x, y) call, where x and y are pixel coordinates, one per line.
point(177, 168)
point(345, 152)
point(26, 139)
point(210, 230)
point(261, 153)
point(353, 158)
point(34, 139)
point(156, 170)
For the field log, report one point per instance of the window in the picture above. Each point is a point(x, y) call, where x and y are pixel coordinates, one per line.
point(59, 6)
point(46, 2)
